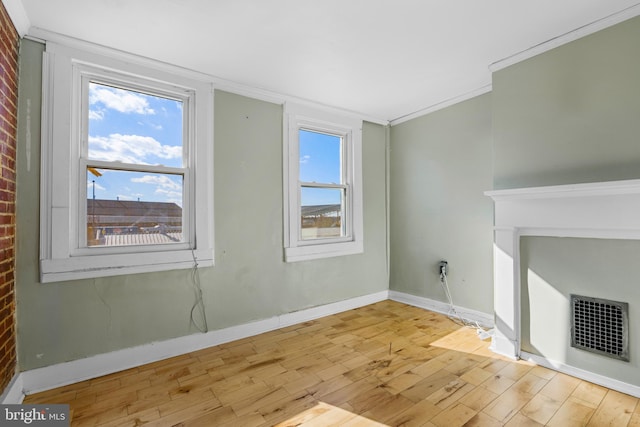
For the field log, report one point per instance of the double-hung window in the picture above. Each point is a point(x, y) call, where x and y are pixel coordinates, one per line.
point(122, 188)
point(322, 183)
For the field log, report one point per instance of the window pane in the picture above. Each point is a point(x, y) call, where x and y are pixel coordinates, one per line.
point(320, 157)
point(133, 127)
point(133, 208)
point(321, 210)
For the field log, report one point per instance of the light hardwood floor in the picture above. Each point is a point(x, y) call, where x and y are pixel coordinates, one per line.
point(387, 364)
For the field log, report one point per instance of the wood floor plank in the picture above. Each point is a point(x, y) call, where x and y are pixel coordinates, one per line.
point(306, 416)
point(255, 403)
point(348, 392)
point(187, 414)
point(482, 420)
point(507, 404)
point(614, 410)
point(589, 394)
point(542, 372)
point(388, 408)
point(287, 407)
point(106, 409)
point(560, 387)
point(415, 415)
point(135, 420)
point(455, 416)
point(464, 364)
point(216, 417)
point(386, 364)
point(329, 386)
point(305, 382)
point(635, 417)
point(572, 413)
point(520, 420)
point(192, 399)
point(478, 398)
point(529, 383)
point(100, 418)
point(476, 376)
point(497, 383)
point(251, 420)
point(450, 393)
point(541, 408)
point(402, 382)
point(241, 392)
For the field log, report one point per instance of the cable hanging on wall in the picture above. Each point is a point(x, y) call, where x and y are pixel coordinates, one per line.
point(453, 314)
point(199, 302)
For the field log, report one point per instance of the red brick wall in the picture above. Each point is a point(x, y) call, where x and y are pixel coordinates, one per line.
point(9, 42)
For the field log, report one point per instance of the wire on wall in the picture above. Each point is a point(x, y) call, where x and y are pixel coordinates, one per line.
point(104, 302)
point(199, 302)
point(453, 313)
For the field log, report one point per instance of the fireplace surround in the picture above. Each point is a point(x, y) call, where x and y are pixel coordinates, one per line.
point(601, 210)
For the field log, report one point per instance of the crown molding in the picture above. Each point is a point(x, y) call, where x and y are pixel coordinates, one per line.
point(441, 105)
point(576, 34)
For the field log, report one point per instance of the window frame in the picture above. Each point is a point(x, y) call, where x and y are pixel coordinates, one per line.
point(64, 254)
point(301, 117)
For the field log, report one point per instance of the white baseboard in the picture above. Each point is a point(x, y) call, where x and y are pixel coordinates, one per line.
point(49, 377)
point(611, 383)
point(483, 319)
point(13, 394)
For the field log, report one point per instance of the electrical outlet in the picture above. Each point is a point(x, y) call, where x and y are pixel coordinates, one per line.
point(443, 267)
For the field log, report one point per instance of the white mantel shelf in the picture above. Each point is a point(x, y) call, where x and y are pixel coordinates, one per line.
point(569, 190)
point(604, 210)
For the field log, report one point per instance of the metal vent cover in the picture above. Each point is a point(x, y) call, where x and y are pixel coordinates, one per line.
point(600, 326)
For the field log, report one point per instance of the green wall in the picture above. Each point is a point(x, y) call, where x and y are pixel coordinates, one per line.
point(571, 115)
point(63, 321)
point(440, 167)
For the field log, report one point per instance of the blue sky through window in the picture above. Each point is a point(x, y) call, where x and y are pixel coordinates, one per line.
point(132, 127)
point(320, 161)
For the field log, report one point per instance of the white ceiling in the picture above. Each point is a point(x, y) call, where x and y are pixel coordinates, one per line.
point(382, 58)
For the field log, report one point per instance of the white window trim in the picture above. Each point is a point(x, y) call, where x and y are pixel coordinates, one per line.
point(61, 255)
point(296, 117)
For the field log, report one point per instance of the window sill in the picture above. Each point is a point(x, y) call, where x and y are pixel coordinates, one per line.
point(319, 251)
point(91, 266)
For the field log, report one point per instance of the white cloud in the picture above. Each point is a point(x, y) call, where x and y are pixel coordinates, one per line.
point(130, 149)
point(96, 114)
point(170, 190)
point(170, 195)
point(123, 101)
point(305, 159)
point(164, 183)
point(90, 185)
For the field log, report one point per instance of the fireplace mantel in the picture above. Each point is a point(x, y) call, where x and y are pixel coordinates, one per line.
point(604, 210)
